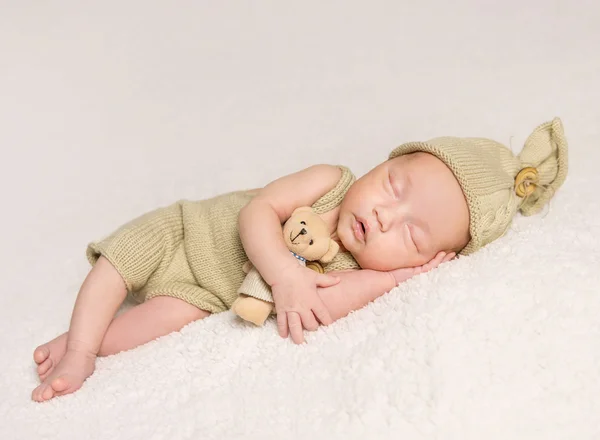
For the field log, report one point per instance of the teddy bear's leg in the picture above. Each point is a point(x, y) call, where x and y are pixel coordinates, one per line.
point(313, 265)
point(251, 309)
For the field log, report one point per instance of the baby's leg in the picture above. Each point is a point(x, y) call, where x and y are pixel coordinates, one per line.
point(156, 317)
point(99, 298)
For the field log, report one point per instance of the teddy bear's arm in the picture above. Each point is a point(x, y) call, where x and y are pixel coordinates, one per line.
point(255, 286)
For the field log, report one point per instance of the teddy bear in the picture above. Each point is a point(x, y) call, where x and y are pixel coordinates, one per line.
point(306, 235)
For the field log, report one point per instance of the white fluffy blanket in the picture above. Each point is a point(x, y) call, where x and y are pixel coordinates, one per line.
point(110, 110)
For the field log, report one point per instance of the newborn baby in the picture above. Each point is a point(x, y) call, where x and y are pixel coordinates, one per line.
point(427, 203)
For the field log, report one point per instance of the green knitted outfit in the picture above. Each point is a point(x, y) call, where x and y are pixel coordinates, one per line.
point(192, 250)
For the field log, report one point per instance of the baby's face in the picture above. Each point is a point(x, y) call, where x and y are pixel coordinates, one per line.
point(403, 212)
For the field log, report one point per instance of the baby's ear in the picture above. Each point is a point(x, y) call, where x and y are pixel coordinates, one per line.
point(302, 209)
point(331, 252)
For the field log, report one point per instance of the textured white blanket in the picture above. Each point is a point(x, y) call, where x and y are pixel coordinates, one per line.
point(112, 110)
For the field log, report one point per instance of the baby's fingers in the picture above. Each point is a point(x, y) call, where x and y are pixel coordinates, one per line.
point(437, 260)
point(440, 258)
point(309, 322)
point(296, 329)
point(322, 314)
point(326, 280)
point(431, 264)
point(282, 323)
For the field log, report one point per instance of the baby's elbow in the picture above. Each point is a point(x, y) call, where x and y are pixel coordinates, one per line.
point(254, 213)
point(246, 216)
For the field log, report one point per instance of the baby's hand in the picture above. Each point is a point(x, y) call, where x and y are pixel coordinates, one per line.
point(297, 303)
point(401, 275)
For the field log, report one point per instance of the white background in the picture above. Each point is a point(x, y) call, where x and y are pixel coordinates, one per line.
point(109, 109)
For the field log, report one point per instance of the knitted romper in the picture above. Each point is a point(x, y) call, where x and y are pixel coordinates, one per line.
point(192, 250)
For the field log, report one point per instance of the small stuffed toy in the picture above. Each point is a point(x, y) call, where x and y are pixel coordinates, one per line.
point(307, 237)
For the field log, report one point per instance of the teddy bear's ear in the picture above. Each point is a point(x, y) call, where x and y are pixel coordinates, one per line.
point(302, 209)
point(331, 252)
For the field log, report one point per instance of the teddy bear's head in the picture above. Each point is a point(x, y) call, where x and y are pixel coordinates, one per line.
point(306, 234)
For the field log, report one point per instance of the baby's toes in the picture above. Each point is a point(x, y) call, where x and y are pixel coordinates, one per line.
point(48, 393)
point(40, 393)
point(44, 368)
point(35, 394)
point(65, 384)
point(60, 384)
point(40, 354)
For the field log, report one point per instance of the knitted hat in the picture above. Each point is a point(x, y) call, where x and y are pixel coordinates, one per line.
point(495, 182)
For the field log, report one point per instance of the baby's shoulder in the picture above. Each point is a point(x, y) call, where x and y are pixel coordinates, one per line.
point(333, 198)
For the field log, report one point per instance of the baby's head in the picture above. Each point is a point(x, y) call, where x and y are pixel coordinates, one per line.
point(448, 194)
point(402, 212)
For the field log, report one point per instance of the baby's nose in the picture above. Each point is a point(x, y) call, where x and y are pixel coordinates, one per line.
point(384, 217)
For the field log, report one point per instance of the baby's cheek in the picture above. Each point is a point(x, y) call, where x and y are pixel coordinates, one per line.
point(389, 258)
point(381, 261)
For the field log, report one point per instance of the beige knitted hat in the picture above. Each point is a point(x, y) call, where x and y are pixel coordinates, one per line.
point(496, 183)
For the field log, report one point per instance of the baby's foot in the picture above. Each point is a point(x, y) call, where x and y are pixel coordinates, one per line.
point(47, 356)
point(66, 377)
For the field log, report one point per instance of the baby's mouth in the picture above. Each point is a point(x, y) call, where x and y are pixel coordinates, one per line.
point(360, 231)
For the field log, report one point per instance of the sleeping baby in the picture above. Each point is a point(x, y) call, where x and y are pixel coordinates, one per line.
point(428, 202)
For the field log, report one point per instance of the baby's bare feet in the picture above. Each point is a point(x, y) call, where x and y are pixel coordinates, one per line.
point(66, 377)
point(47, 356)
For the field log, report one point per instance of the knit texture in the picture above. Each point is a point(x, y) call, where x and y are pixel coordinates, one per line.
point(192, 250)
point(486, 171)
point(331, 200)
point(254, 285)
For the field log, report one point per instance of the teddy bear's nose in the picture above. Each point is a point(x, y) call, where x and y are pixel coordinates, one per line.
point(303, 231)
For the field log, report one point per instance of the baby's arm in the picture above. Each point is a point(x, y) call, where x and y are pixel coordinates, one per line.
point(357, 288)
point(260, 220)
point(293, 286)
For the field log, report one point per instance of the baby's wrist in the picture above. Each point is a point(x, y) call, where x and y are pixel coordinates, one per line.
point(283, 272)
point(393, 279)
